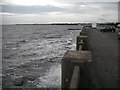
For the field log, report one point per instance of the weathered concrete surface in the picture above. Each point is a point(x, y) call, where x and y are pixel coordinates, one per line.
point(104, 68)
point(69, 61)
point(75, 77)
point(77, 56)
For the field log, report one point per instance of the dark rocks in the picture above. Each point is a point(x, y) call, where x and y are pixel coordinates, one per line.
point(21, 81)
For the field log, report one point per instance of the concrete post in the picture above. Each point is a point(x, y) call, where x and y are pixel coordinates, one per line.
point(78, 39)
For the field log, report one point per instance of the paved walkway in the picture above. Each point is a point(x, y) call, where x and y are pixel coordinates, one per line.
point(104, 68)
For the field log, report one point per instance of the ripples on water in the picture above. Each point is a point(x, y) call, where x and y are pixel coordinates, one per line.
point(35, 50)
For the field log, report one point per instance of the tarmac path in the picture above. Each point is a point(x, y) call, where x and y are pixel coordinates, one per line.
point(104, 49)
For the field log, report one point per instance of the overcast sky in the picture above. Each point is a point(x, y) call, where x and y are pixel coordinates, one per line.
point(51, 11)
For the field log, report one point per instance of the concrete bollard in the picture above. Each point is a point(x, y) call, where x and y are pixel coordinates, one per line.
point(69, 61)
point(78, 40)
point(81, 43)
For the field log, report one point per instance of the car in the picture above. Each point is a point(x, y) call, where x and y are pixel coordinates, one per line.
point(118, 35)
point(108, 29)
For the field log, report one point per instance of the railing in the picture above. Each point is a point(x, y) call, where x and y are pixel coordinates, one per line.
point(73, 60)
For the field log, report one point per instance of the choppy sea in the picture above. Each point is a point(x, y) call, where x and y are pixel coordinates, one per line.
point(35, 51)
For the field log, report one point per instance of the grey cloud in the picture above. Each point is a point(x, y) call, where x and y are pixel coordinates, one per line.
point(88, 12)
point(101, 19)
point(30, 9)
point(108, 5)
point(88, 0)
point(74, 9)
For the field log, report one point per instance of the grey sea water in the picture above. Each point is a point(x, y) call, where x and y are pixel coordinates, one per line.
point(0, 57)
point(35, 51)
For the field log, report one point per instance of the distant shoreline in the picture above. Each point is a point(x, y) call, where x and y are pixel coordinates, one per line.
point(50, 24)
point(107, 23)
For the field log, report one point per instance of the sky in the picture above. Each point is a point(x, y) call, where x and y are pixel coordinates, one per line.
point(58, 11)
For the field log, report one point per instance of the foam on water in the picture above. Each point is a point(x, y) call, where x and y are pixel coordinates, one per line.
point(52, 78)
